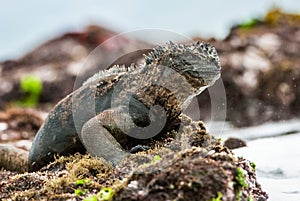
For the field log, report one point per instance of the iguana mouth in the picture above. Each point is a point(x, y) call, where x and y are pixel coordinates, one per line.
point(204, 73)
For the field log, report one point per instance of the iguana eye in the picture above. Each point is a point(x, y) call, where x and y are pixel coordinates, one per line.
point(101, 84)
point(114, 79)
point(185, 62)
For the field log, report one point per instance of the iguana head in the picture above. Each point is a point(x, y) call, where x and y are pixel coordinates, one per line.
point(198, 62)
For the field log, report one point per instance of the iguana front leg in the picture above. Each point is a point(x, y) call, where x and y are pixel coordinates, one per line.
point(101, 134)
point(98, 135)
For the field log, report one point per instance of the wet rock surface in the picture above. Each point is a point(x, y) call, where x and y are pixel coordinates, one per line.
point(201, 169)
point(234, 143)
point(261, 70)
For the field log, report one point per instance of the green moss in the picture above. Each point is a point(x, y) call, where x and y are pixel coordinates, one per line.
point(249, 24)
point(240, 182)
point(249, 198)
point(84, 172)
point(57, 185)
point(80, 192)
point(81, 182)
point(239, 194)
point(239, 177)
point(180, 155)
point(106, 194)
point(218, 198)
point(83, 167)
point(91, 198)
point(32, 88)
point(253, 165)
point(156, 158)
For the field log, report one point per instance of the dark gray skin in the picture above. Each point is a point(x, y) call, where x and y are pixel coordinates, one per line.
point(121, 105)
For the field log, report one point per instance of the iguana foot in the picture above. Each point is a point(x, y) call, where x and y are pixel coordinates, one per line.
point(99, 141)
point(139, 148)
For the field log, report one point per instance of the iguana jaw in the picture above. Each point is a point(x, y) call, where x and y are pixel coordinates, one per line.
point(205, 77)
point(202, 81)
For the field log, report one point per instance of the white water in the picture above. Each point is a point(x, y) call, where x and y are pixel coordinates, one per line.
point(274, 148)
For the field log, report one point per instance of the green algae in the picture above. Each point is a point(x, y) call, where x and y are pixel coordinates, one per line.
point(106, 194)
point(240, 182)
point(218, 198)
point(253, 166)
point(91, 198)
point(249, 24)
point(32, 88)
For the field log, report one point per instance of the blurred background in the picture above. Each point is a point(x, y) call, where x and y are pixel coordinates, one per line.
point(24, 25)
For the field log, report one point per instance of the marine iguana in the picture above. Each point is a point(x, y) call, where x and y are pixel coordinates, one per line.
point(135, 102)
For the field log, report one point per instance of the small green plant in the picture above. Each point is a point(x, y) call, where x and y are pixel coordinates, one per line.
point(156, 158)
point(239, 194)
point(106, 194)
point(240, 182)
point(239, 177)
point(180, 155)
point(32, 87)
point(80, 192)
point(218, 198)
point(249, 198)
point(91, 198)
point(253, 165)
point(81, 182)
point(249, 24)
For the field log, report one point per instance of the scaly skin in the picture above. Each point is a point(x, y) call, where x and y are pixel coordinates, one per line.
point(123, 104)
